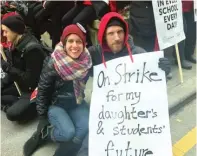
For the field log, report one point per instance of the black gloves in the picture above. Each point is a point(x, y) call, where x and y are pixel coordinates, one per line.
point(165, 65)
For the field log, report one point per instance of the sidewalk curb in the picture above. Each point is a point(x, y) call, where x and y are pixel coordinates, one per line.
point(181, 95)
point(181, 104)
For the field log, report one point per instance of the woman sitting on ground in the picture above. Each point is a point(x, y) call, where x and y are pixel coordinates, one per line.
point(60, 101)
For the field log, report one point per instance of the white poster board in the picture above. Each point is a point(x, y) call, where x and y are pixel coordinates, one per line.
point(129, 108)
point(195, 10)
point(169, 22)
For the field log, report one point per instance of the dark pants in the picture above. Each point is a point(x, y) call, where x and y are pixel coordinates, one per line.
point(18, 108)
point(56, 18)
point(187, 46)
point(80, 14)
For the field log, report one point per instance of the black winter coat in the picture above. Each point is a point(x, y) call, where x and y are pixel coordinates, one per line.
point(26, 63)
point(52, 88)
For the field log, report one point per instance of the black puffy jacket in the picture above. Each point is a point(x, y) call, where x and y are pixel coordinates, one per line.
point(52, 88)
point(26, 63)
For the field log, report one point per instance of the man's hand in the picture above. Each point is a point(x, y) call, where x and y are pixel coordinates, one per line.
point(165, 65)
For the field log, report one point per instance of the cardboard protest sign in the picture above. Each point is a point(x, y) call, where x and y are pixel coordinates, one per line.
point(129, 108)
point(169, 22)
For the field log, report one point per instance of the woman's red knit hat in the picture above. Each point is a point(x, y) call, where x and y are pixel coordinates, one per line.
point(74, 29)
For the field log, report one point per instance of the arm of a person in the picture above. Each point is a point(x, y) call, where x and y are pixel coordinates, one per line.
point(45, 89)
point(101, 8)
point(93, 53)
point(33, 66)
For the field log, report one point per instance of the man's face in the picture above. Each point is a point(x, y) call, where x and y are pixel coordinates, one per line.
point(115, 38)
point(9, 34)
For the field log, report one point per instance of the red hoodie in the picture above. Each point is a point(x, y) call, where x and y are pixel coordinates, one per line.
point(187, 5)
point(101, 33)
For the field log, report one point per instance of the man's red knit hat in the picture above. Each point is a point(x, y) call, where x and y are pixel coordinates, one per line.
point(74, 29)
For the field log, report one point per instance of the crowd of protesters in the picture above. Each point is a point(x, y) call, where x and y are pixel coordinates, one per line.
point(59, 75)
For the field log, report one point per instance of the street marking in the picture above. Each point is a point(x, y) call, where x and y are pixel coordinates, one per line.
point(177, 152)
point(181, 147)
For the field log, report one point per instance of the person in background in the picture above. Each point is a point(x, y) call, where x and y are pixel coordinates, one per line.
point(187, 46)
point(23, 66)
point(142, 24)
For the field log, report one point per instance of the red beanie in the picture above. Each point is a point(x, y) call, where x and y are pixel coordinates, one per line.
point(14, 23)
point(9, 14)
point(74, 29)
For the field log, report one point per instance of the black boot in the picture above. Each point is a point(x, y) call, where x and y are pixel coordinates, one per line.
point(37, 140)
point(4, 108)
point(186, 65)
point(191, 59)
point(67, 149)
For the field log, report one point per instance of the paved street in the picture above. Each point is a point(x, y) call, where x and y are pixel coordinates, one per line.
point(182, 122)
point(183, 130)
point(182, 125)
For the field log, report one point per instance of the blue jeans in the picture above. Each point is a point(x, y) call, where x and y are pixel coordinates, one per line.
point(69, 123)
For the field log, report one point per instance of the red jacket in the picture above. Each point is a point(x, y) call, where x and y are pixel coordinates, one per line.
point(187, 5)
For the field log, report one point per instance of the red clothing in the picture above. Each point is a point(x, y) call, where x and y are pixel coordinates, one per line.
point(101, 33)
point(6, 44)
point(187, 5)
point(103, 25)
point(87, 2)
point(9, 14)
point(112, 5)
point(156, 47)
